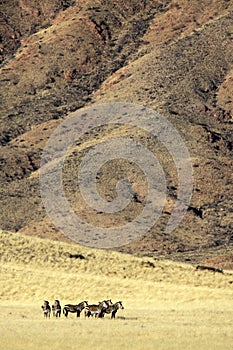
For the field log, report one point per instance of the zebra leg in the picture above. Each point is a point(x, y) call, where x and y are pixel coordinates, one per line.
point(65, 312)
point(101, 314)
point(114, 314)
point(78, 313)
point(88, 313)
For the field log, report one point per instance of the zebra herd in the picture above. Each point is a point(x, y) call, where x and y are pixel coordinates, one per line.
point(94, 310)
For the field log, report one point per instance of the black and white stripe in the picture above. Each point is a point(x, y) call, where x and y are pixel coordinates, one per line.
point(75, 308)
point(111, 309)
point(56, 308)
point(46, 309)
point(95, 310)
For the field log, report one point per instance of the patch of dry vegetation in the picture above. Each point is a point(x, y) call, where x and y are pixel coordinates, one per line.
point(167, 305)
point(47, 258)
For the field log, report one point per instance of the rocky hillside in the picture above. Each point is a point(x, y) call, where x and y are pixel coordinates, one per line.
point(172, 56)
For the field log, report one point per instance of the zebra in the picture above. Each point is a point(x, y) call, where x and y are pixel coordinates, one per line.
point(95, 310)
point(46, 309)
point(74, 308)
point(111, 309)
point(56, 308)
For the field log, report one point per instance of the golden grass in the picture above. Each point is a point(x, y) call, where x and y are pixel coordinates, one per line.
point(170, 306)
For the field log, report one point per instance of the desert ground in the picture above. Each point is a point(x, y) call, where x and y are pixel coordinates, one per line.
point(167, 305)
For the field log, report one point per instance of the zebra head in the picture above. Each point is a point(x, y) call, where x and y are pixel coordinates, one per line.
point(119, 304)
point(103, 303)
point(84, 304)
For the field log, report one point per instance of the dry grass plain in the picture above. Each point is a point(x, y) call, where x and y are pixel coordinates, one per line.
point(168, 306)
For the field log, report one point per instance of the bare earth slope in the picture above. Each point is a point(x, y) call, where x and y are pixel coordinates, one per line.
point(173, 56)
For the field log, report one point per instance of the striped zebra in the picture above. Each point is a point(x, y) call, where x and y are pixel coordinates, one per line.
point(95, 310)
point(74, 308)
point(56, 308)
point(46, 309)
point(111, 309)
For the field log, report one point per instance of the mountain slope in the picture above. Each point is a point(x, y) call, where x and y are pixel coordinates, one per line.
point(171, 56)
